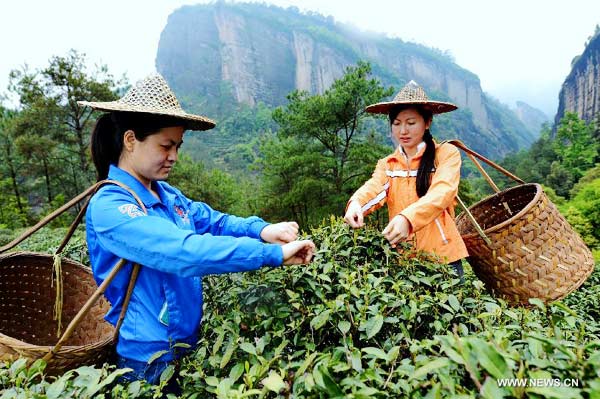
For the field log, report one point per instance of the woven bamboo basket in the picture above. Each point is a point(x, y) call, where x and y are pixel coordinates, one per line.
point(520, 245)
point(27, 302)
point(29, 293)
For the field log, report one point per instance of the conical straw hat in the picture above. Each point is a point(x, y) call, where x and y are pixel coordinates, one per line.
point(412, 94)
point(152, 95)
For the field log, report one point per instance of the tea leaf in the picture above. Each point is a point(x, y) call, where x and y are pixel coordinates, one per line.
point(491, 390)
point(326, 383)
point(373, 326)
point(344, 326)
point(248, 347)
point(156, 356)
point(273, 382)
point(429, 368)
point(320, 320)
point(231, 345)
point(376, 352)
point(538, 302)
point(453, 301)
point(167, 373)
point(491, 360)
point(236, 372)
point(212, 381)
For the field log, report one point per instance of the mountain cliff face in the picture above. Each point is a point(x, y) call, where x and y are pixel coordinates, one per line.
point(220, 53)
point(531, 117)
point(580, 93)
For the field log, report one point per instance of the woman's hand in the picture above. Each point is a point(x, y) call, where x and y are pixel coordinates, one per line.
point(354, 215)
point(280, 233)
point(298, 252)
point(397, 230)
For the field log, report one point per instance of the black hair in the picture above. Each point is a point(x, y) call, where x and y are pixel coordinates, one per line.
point(427, 163)
point(107, 136)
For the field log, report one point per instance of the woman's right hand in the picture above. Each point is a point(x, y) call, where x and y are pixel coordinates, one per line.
point(354, 215)
point(298, 252)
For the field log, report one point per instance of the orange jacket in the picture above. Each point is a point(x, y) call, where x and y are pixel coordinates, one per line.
point(431, 216)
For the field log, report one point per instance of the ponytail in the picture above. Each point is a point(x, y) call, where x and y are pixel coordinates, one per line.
point(106, 145)
point(107, 136)
point(426, 165)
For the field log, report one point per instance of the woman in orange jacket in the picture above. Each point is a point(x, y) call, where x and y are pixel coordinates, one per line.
point(419, 181)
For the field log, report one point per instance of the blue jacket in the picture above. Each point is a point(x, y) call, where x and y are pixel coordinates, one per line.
point(177, 243)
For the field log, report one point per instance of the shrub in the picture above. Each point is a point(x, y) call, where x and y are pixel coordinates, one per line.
point(364, 320)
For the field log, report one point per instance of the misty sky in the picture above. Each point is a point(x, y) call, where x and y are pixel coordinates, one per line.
point(520, 49)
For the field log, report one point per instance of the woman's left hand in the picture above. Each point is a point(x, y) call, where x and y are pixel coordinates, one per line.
point(397, 230)
point(280, 233)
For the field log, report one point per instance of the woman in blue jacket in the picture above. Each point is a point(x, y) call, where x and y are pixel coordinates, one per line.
point(175, 240)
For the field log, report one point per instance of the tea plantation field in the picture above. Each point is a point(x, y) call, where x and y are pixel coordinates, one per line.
point(361, 321)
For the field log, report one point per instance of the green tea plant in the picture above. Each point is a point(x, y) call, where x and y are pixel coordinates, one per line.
point(364, 320)
point(47, 240)
point(19, 381)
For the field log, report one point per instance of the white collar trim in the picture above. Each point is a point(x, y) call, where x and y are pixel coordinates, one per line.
point(420, 146)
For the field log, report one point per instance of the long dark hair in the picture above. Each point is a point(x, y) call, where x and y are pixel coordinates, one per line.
point(107, 136)
point(427, 163)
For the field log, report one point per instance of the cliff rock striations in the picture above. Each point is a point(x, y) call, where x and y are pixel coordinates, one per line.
point(580, 93)
point(215, 55)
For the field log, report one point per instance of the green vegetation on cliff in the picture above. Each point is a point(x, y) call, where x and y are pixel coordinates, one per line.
point(223, 57)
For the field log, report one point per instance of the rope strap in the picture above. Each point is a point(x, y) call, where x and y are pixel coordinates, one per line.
point(472, 155)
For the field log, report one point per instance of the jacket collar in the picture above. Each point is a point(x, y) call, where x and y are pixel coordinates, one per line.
point(399, 153)
point(116, 173)
point(420, 149)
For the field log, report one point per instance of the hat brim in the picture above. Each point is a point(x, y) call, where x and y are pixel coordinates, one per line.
point(191, 122)
point(436, 107)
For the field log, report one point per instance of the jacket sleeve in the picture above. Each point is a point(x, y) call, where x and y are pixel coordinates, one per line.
point(373, 194)
point(124, 230)
point(207, 220)
point(442, 191)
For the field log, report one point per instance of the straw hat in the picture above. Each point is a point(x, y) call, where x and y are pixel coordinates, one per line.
point(412, 94)
point(152, 95)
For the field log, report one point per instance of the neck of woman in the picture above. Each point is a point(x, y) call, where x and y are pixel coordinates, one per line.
point(127, 168)
point(410, 152)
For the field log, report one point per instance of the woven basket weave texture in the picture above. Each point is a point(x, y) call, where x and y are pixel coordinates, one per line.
point(27, 328)
point(535, 253)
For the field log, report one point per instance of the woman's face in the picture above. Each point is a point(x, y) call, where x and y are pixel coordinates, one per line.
point(153, 158)
point(408, 129)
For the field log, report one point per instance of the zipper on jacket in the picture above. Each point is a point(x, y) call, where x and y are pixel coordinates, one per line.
point(444, 239)
point(407, 163)
point(163, 315)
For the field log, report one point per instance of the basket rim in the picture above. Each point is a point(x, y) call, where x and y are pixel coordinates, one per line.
point(14, 254)
point(535, 199)
point(19, 345)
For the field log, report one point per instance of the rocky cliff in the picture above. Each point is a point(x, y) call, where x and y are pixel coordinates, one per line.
point(531, 117)
point(580, 93)
point(249, 53)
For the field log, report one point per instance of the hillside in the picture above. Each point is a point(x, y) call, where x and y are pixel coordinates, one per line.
point(532, 117)
point(217, 56)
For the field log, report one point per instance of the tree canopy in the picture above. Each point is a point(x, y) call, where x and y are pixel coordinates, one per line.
point(324, 149)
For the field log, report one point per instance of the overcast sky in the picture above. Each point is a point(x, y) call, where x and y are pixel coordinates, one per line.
point(520, 49)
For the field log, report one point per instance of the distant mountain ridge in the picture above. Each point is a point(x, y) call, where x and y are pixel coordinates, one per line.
point(215, 55)
point(531, 117)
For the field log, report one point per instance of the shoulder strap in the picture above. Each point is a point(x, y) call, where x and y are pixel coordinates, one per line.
point(102, 288)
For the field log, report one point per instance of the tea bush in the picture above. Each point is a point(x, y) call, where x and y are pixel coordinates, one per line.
point(47, 240)
point(364, 320)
